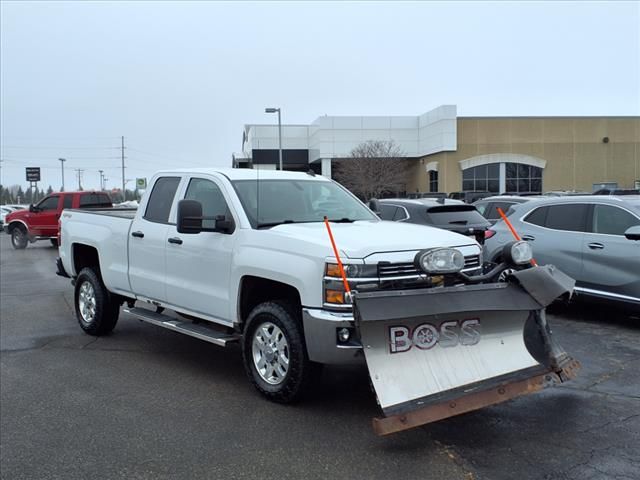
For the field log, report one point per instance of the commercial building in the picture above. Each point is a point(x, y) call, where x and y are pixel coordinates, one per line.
point(450, 153)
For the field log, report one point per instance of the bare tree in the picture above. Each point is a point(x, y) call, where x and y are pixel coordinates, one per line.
point(374, 167)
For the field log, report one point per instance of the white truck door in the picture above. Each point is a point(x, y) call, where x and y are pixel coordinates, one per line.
point(199, 265)
point(148, 240)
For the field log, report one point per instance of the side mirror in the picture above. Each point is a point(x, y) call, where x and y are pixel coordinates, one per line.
point(374, 206)
point(189, 216)
point(33, 209)
point(633, 233)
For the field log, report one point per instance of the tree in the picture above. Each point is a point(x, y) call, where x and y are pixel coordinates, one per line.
point(49, 190)
point(374, 167)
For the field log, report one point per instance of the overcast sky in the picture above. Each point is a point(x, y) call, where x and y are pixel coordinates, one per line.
point(179, 80)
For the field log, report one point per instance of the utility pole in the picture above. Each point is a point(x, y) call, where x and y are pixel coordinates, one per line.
point(101, 187)
point(79, 173)
point(122, 150)
point(62, 160)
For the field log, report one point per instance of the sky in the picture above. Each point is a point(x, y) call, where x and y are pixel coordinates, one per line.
point(180, 79)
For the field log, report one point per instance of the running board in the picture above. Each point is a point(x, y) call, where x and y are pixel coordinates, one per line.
point(200, 331)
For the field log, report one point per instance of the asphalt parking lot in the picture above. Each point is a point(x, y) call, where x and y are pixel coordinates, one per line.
point(148, 403)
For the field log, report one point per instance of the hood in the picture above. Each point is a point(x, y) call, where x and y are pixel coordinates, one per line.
point(364, 238)
point(17, 215)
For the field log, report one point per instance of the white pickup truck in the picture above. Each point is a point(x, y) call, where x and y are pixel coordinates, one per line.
point(234, 255)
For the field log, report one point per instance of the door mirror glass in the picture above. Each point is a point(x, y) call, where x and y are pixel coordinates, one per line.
point(189, 216)
point(633, 233)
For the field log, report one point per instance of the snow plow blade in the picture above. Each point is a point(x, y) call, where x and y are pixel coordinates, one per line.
point(440, 352)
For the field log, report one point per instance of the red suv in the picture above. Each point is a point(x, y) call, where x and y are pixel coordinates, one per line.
point(40, 222)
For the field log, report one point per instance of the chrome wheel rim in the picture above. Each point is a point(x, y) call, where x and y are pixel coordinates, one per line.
point(270, 351)
point(87, 302)
point(17, 236)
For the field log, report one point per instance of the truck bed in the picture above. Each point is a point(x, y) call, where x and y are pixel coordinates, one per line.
point(128, 213)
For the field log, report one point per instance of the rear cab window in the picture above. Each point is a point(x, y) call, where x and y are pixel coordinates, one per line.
point(161, 199)
point(94, 200)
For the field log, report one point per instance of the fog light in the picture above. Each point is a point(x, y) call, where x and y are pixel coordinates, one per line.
point(344, 334)
point(517, 253)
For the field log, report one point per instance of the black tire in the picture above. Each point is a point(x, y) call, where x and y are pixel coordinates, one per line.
point(301, 373)
point(19, 237)
point(54, 242)
point(105, 309)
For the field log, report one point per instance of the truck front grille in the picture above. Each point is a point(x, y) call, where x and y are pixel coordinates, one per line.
point(406, 269)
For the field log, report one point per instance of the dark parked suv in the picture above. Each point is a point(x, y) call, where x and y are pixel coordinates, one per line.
point(452, 215)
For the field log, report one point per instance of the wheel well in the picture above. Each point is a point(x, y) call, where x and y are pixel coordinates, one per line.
point(13, 225)
point(85, 256)
point(256, 290)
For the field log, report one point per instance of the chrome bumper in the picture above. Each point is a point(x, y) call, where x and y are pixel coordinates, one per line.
point(320, 331)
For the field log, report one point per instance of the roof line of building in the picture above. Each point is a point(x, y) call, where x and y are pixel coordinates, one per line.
point(504, 117)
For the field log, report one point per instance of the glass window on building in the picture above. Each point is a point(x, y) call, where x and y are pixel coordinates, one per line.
point(518, 178)
point(433, 181)
point(522, 178)
point(483, 178)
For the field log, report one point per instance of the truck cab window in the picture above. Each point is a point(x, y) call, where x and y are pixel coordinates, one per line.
point(209, 195)
point(50, 203)
point(161, 199)
point(68, 201)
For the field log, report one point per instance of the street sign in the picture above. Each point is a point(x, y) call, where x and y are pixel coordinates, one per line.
point(33, 174)
point(141, 183)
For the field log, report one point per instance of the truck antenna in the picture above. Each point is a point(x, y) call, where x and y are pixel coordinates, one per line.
point(335, 252)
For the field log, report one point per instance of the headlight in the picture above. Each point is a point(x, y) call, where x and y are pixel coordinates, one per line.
point(352, 270)
point(517, 253)
point(440, 260)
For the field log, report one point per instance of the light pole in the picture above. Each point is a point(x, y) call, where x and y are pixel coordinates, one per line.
point(101, 187)
point(62, 160)
point(274, 110)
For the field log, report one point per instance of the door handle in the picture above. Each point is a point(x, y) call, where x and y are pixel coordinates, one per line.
point(176, 240)
point(596, 246)
point(528, 238)
point(137, 234)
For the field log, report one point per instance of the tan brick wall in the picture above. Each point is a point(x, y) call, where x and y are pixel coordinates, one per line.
point(573, 148)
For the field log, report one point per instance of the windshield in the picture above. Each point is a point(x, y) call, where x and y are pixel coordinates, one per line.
point(298, 201)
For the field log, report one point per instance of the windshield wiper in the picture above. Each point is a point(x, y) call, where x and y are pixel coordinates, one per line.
point(273, 224)
point(342, 220)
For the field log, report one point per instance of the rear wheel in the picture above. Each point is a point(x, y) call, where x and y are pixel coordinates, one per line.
point(274, 353)
point(96, 310)
point(19, 238)
point(54, 242)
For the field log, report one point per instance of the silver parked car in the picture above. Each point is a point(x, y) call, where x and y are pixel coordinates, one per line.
point(488, 207)
point(594, 239)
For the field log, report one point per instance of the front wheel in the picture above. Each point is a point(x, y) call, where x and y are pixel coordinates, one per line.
point(274, 354)
point(19, 238)
point(96, 310)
